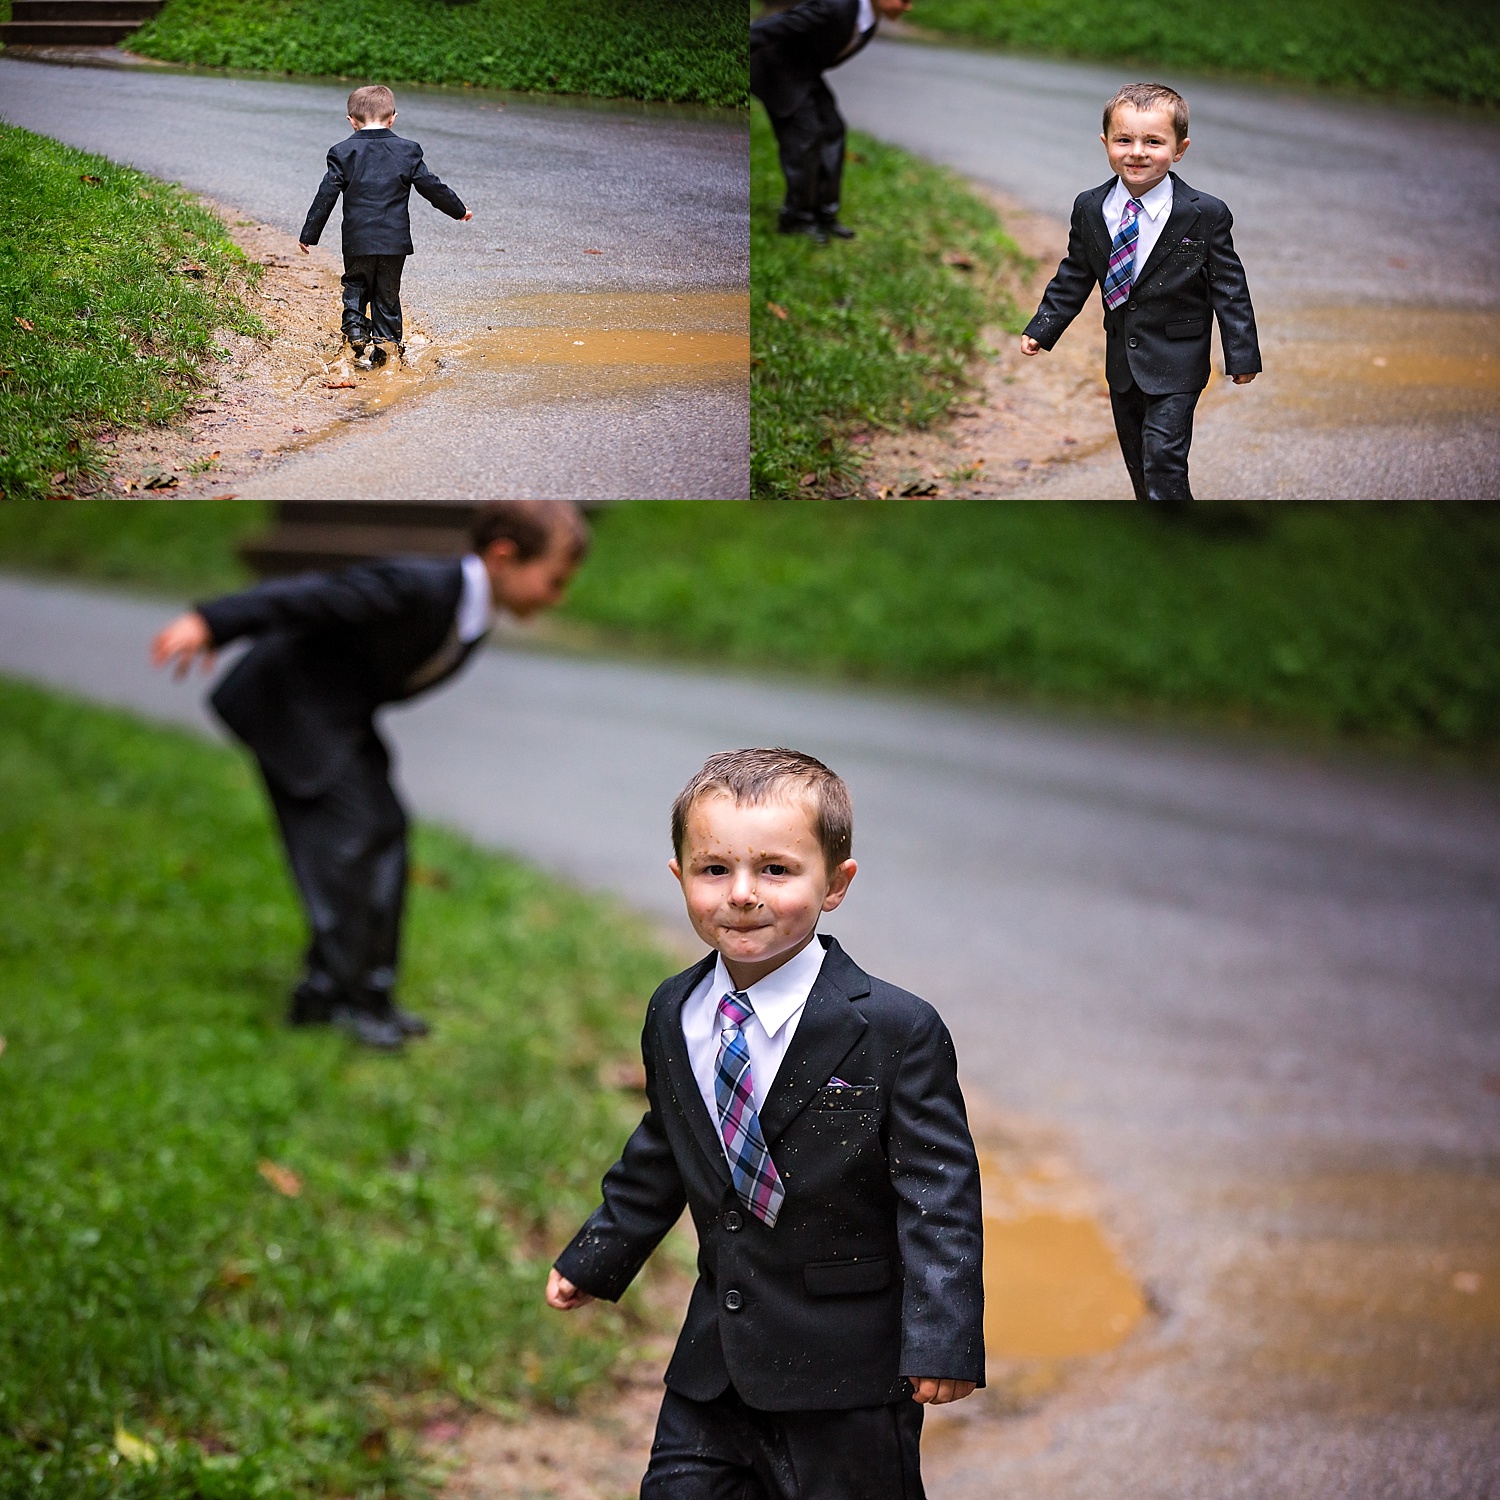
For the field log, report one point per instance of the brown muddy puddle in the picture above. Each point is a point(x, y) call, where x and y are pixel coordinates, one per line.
point(1055, 1286)
point(593, 341)
point(1382, 364)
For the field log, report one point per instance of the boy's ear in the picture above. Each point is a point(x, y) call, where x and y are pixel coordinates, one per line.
point(838, 885)
point(1182, 146)
point(675, 868)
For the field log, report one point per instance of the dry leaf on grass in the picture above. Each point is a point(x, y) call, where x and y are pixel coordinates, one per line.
point(283, 1179)
point(27, 324)
point(132, 1449)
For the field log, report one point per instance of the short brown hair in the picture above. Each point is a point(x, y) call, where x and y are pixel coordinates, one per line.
point(531, 525)
point(755, 776)
point(1150, 96)
point(372, 102)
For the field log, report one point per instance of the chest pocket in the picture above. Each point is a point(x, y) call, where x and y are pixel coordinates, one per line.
point(859, 1096)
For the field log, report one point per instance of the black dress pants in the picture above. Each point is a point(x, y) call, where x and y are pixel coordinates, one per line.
point(1155, 433)
point(372, 298)
point(811, 143)
point(347, 851)
point(725, 1450)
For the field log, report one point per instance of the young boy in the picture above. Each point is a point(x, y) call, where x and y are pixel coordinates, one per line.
point(375, 170)
point(810, 1117)
point(329, 649)
point(1163, 256)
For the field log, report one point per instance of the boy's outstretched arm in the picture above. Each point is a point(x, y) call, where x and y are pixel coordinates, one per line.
point(1066, 293)
point(643, 1199)
point(438, 193)
point(939, 1220)
point(1229, 292)
point(332, 185)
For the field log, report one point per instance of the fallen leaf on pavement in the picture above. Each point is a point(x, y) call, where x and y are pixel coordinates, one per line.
point(338, 385)
point(919, 487)
point(283, 1179)
point(593, 252)
point(776, 310)
point(160, 481)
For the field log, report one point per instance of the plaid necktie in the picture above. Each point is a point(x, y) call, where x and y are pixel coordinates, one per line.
point(755, 1177)
point(1122, 258)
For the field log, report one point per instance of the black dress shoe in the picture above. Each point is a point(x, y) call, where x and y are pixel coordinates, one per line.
point(410, 1025)
point(837, 230)
point(379, 1032)
point(814, 232)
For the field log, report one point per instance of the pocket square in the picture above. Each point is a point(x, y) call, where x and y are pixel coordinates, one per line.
point(837, 1083)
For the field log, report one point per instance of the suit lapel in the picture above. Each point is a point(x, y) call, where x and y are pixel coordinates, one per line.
point(680, 1077)
point(829, 1027)
point(1184, 214)
point(1093, 213)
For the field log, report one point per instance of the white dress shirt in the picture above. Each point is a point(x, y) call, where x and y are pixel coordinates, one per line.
point(862, 23)
point(778, 1001)
point(476, 610)
point(1149, 223)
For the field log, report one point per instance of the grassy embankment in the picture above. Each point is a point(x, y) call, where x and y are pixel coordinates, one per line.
point(267, 1253)
point(1446, 49)
point(686, 51)
point(876, 332)
point(1378, 622)
point(111, 287)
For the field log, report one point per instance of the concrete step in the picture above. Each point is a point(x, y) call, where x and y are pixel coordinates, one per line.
point(66, 33)
point(334, 533)
point(134, 11)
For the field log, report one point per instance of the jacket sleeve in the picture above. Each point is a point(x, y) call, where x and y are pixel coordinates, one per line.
point(939, 1217)
point(436, 191)
point(1229, 292)
point(1068, 290)
point(643, 1198)
point(334, 182)
point(788, 25)
point(354, 596)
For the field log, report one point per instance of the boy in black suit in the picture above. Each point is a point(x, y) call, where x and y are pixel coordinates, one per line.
point(810, 1117)
point(789, 52)
point(1163, 256)
point(329, 649)
point(375, 170)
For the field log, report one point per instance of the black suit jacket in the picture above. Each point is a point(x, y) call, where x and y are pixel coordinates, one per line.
point(873, 1270)
point(376, 170)
point(330, 649)
point(1161, 336)
point(790, 49)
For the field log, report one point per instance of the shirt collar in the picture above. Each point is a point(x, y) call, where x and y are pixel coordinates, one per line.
point(782, 993)
point(1154, 204)
point(476, 610)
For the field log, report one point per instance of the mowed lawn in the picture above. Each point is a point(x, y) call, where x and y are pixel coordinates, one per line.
point(238, 1260)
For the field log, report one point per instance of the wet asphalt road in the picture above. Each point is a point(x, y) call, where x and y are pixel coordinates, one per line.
point(661, 192)
point(1256, 990)
point(1370, 233)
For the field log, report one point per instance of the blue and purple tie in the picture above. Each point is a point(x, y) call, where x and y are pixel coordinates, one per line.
point(755, 1177)
point(1121, 275)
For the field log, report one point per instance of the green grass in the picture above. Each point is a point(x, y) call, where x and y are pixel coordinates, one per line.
point(686, 51)
point(178, 548)
point(1440, 49)
point(1375, 621)
point(99, 321)
point(267, 1345)
point(878, 331)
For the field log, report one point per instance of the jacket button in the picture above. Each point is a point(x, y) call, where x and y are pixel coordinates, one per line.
point(1134, 343)
point(733, 1301)
point(734, 1221)
point(1130, 306)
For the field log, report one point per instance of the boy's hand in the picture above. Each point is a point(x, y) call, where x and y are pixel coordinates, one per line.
point(469, 215)
point(185, 638)
point(928, 1390)
point(562, 1294)
point(303, 248)
point(1029, 346)
point(1244, 379)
